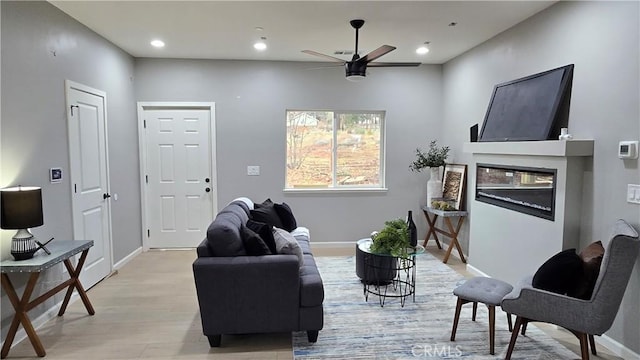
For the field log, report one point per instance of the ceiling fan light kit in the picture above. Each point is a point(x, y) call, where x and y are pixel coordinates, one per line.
point(356, 69)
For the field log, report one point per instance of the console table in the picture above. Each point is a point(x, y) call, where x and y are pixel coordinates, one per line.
point(377, 268)
point(61, 251)
point(450, 231)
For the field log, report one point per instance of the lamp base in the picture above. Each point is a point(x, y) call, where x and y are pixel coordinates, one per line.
point(23, 245)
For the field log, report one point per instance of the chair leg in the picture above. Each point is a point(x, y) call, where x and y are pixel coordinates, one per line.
point(592, 342)
point(475, 309)
point(509, 322)
point(312, 335)
point(514, 336)
point(584, 345)
point(492, 328)
point(524, 328)
point(455, 319)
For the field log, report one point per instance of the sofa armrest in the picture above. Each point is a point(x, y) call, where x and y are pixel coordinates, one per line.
point(247, 294)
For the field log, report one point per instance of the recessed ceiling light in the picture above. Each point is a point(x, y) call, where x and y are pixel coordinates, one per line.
point(157, 43)
point(423, 49)
point(260, 45)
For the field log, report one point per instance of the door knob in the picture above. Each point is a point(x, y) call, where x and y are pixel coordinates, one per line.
point(207, 189)
point(207, 180)
point(106, 196)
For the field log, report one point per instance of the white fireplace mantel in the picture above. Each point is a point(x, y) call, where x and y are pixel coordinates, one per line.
point(564, 148)
point(507, 244)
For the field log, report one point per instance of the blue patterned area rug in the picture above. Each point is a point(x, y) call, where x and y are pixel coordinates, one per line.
point(359, 329)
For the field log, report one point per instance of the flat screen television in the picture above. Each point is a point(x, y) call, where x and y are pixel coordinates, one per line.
point(535, 107)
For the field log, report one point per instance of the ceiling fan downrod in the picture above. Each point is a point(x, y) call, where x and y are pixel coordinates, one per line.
point(356, 24)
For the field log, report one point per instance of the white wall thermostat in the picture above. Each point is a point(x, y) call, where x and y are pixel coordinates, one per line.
point(628, 150)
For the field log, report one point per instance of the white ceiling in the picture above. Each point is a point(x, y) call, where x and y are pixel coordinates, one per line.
point(227, 29)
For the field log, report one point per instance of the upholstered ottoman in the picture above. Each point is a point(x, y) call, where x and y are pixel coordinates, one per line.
point(484, 290)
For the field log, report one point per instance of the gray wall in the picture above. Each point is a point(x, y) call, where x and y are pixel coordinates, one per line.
point(602, 40)
point(33, 111)
point(430, 102)
point(251, 99)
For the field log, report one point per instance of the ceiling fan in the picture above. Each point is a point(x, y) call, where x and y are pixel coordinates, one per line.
point(357, 67)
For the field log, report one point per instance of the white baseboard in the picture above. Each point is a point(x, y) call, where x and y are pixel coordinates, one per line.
point(474, 270)
point(617, 348)
point(126, 259)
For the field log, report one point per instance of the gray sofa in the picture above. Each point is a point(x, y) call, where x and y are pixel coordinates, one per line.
point(242, 294)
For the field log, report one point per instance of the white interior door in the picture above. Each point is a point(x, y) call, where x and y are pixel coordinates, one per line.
point(86, 117)
point(179, 184)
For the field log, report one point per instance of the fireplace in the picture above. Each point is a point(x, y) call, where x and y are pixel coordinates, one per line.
point(527, 190)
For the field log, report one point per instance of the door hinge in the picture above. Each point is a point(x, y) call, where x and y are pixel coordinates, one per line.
point(148, 233)
point(146, 178)
point(144, 123)
point(75, 188)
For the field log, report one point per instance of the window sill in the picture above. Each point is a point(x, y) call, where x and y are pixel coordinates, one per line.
point(354, 190)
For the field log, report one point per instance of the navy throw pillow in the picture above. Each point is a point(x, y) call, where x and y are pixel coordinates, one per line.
point(266, 213)
point(286, 216)
point(560, 274)
point(253, 243)
point(266, 233)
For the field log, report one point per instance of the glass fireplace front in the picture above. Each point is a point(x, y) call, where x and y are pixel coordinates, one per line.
point(523, 189)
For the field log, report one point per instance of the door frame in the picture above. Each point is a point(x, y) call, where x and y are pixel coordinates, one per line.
point(69, 85)
point(142, 151)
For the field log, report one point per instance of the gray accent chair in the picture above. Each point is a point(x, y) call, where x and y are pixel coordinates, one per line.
point(584, 318)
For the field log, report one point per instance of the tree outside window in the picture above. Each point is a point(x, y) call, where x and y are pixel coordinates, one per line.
point(331, 149)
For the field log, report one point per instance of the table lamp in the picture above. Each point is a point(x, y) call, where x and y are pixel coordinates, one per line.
point(21, 209)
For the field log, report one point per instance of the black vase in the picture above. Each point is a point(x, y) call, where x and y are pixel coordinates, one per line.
point(413, 232)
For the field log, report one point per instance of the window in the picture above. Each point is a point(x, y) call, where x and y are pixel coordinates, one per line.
point(334, 149)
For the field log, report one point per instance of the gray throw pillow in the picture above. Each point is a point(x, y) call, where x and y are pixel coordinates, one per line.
point(287, 244)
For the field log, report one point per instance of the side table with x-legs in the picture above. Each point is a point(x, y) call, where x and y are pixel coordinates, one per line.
point(432, 215)
point(61, 251)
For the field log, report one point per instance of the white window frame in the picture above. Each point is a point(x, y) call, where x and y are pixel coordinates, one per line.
point(334, 186)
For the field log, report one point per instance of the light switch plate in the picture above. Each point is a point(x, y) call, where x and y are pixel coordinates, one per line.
point(633, 193)
point(253, 170)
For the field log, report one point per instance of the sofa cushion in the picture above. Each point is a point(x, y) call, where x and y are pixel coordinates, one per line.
point(266, 233)
point(266, 213)
point(286, 244)
point(304, 245)
point(591, 257)
point(560, 274)
point(286, 216)
point(223, 235)
point(253, 243)
point(237, 209)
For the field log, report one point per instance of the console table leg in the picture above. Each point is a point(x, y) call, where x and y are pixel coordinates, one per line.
point(432, 230)
point(454, 239)
point(75, 276)
point(20, 317)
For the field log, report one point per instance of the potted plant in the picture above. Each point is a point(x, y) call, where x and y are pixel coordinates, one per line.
point(392, 239)
point(432, 159)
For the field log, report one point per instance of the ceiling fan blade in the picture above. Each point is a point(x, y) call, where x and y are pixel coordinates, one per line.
point(377, 53)
point(332, 66)
point(394, 64)
point(315, 53)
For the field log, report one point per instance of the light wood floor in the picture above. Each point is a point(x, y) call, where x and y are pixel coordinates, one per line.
point(149, 310)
